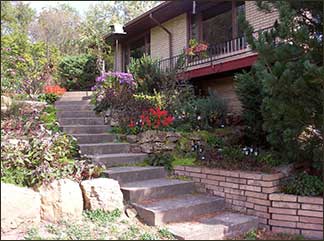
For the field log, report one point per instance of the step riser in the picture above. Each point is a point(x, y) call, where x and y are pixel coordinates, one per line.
point(138, 176)
point(75, 114)
point(158, 192)
point(180, 214)
point(72, 121)
point(109, 149)
point(95, 139)
point(74, 107)
point(119, 161)
point(86, 130)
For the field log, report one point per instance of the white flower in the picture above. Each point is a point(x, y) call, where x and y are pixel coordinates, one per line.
point(199, 117)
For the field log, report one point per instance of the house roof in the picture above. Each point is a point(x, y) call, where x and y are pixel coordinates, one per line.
point(162, 13)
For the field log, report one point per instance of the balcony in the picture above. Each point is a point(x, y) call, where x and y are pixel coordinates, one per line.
point(215, 54)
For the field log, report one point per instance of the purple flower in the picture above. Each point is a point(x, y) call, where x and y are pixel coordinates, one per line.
point(93, 88)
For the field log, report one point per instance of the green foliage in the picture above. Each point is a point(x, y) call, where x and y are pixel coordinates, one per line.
point(48, 117)
point(165, 233)
point(250, 93)
point(286, 103)
point(33, 234)
point(304, 184)
point(251, 235)
point(48, 98)
point(147, 74)
point(78, 72)
point(183, 161)
point(161, 159)
point(102, 217)
point(147, 236)
point(201, 113)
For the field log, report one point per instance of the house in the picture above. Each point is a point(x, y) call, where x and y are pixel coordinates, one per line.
point(164, 33)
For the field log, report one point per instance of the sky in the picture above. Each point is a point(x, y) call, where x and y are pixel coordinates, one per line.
point(81, 6)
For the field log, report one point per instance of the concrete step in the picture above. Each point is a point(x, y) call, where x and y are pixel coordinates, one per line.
point(94, 138)
point(63, 107)
point(85, 129)
point(74, 98)
point(133, 174)
point(119, 159)
point(82, 121)
point(180, 208)
point(73, 102)
point(218, 226)
point(77, 93)
point(104, 148)
point(156, 188)
point(75, 114)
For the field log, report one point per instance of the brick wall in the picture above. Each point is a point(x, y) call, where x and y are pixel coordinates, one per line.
point(254, 193)
point(160, 39)
point(259, 19)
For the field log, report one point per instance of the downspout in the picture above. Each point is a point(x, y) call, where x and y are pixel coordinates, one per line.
point(167, 31)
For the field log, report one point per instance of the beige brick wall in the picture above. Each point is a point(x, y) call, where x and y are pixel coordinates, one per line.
point(259, 19)
point(160, 39)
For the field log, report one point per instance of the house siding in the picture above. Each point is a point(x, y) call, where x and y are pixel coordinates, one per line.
point(259, 19)
point(160, 39)
point(225, 89)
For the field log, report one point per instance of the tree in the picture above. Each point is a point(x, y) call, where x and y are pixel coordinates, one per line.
point(290, 72)
point(58, 26)
point(97, 23)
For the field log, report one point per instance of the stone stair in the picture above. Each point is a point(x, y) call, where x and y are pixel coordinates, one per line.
point(158, 199)
point(77, 118)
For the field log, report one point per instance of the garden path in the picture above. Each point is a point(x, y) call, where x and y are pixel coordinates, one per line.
point(158, 199)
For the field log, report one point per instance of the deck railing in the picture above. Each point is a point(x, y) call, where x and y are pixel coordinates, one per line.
point(214, 51)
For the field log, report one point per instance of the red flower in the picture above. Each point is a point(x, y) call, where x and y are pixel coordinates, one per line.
point(168, 120)
point(131, 124)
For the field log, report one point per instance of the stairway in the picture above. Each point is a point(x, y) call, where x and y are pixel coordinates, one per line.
point(158, 199)
point(76, 117)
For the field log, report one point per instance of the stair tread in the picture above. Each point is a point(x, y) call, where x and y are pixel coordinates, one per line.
point(121, 154)
point(82, 118)
point(94, 134)
point(130, 169)
point(103, 144)
point(152, 183)
point(213, 227)
point(181, 201)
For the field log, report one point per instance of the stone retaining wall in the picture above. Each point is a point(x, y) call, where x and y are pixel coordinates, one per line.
point(255, 194)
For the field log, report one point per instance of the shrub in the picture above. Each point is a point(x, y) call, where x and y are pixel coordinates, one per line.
point(304, 184)
point(48, 118)
point(202, 113)
point(49, 98)
point(161, 159)
point(153, 119)
point(147, 74)
point(78, 72)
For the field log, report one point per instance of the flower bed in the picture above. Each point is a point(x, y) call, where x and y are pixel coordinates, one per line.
point(257, 194)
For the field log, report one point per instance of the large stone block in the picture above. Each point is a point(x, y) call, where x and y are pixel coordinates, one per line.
point(61, 199)
point(20, 208)
point(102, 193)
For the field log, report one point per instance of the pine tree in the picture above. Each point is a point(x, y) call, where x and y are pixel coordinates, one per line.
point(289, 77)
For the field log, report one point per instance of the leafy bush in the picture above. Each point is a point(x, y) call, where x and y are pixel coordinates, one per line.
point(161, 159)
point(202, 113)
point(78, 72)
point(48, 98)
point(147, 74)
point(304, 184)
point(48, 118)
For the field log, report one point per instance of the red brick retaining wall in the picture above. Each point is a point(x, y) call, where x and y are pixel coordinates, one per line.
point(255, 194)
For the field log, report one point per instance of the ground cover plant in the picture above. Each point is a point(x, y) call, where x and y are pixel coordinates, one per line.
point(99, 225)
point(34, 150)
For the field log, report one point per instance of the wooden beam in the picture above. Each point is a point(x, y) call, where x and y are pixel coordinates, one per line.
point(234, 20)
